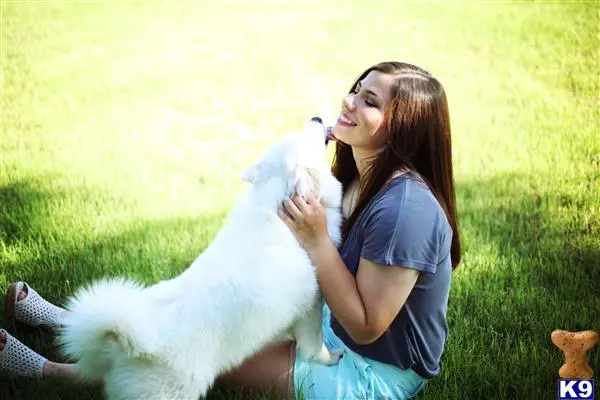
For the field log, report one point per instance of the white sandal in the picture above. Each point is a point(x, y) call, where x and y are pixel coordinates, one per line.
point(33, 310)
point(16, 359)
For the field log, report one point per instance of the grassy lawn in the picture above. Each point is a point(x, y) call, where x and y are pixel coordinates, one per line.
point(125, 126)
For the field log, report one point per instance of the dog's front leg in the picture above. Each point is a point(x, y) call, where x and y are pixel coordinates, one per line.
point(309, 337)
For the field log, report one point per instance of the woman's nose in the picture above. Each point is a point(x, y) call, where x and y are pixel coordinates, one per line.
point(348, 101)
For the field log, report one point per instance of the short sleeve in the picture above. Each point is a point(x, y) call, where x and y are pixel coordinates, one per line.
point(403, 232)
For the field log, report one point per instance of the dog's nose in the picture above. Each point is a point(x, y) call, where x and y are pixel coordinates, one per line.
point(326, 132)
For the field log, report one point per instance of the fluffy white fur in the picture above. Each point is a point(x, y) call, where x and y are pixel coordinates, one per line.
point(252, 286)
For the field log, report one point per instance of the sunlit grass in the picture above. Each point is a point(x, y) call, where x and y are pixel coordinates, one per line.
point(125, 126)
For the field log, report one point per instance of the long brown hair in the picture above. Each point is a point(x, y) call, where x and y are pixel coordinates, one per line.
point(417, 125)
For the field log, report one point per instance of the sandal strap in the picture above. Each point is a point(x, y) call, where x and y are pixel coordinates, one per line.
point(19, 360)
point(34, 310)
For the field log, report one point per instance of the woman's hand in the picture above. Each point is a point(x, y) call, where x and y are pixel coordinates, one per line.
point(306, 219)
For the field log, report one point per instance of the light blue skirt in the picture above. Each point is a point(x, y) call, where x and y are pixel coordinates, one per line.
point(354, 377)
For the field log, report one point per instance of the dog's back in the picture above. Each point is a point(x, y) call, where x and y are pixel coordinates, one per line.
point(244, 291)
point(230, 304)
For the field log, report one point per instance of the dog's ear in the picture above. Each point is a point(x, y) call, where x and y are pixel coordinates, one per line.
point(252, 173)
point(306, 180)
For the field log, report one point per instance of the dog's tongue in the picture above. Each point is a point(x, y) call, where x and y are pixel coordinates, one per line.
point(329, 134)
point(328, 130)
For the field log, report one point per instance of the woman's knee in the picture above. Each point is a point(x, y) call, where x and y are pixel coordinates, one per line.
point(271, 367)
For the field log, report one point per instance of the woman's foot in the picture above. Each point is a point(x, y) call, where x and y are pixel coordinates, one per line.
point(16, 359)
point(24, 304)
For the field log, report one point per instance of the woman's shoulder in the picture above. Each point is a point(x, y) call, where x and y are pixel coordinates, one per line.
point(405, 226)
point(407, 195)
point(406, 187)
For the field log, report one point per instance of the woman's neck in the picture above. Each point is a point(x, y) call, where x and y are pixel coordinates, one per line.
point(361, 158)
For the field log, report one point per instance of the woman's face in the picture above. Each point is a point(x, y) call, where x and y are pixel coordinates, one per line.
point(361, 119)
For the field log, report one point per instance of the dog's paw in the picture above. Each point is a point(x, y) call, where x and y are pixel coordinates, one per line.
point(334, 356)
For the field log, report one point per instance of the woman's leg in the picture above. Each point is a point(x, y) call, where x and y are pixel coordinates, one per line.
point(59, 370)
point(63, 371)
point(272, 367)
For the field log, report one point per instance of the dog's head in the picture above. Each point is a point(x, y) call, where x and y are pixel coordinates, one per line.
point(299, 159)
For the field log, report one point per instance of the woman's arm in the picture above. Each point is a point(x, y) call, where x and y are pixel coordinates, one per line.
point(365, 306)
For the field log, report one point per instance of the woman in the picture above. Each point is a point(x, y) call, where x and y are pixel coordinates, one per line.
point(387, 286)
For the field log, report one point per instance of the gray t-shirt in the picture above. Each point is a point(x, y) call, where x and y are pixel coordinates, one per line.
point(404, 226)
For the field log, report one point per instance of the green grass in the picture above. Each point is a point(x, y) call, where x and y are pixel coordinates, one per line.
point(125, 126)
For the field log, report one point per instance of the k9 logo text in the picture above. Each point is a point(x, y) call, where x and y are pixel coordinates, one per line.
point(576, 389)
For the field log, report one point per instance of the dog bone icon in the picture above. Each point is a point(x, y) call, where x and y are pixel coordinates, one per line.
point(575, 345)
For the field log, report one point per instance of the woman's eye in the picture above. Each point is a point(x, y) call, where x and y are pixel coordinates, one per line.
point(370, 103)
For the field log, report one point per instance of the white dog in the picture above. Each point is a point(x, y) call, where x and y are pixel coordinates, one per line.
point(252, 286)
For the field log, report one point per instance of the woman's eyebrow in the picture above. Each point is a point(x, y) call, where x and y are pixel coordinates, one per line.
point(371, 93)
point(359, 86)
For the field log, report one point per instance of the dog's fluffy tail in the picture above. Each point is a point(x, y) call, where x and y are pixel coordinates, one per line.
point(107, 319)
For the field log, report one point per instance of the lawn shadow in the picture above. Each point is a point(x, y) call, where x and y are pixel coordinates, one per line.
point(544, 239)
point(531, 264)
point(20, 207)
point(56, 265)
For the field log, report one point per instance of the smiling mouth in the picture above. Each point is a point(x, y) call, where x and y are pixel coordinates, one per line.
point(345, 121)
